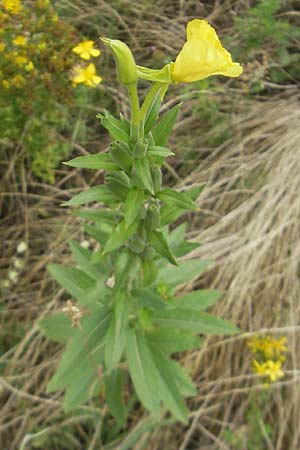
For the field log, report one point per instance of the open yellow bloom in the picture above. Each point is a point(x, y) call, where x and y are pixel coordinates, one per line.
point(21, 41)
point(86, 75)
point(86, 50)
point(13, 6)
point(203, 55)
point(270, 368)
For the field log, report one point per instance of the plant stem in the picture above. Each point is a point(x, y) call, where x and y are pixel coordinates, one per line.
point(135, 112)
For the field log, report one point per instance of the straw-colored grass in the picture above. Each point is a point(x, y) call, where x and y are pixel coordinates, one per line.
point(249, 227)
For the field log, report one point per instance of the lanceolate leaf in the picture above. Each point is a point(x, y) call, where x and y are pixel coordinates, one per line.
point(185, 271)
point(116, 128)
point(83, 257)
point(133, 204)
point(120, 235)
point(171, 340)
point(195, 321)
point(197, 300)
point(73, 280)
point(143, 370)
point(179, 199)
point(168, 388)
point(95, 194)
point(159, 151)
point(117, 332)
point(57, 327)
point(114, 395)
point(162, 131)
point(160, 244)
point(98, 161)
point(152, 114)
point(182, 379)
point(96, 215)
point(142, 174)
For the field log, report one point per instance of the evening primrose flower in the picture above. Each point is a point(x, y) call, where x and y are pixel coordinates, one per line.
point(86, 50)
point(13, 6)
point(2, 46)
point(20, 41)
point(202, 55)
point(86, 75)
point(29, 67)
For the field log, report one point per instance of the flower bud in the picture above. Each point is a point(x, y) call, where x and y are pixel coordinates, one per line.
point(126, 67)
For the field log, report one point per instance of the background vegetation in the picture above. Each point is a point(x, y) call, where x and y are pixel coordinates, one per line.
point(241, 137)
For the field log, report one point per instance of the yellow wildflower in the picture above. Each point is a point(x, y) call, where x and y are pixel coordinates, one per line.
point(20, 60)
point(42, 45)
point(13, 6)
point(270, 368)
point(2, 46)
point(21, 41)
point(6, 84)
point(203, 55)
point(86, 75)
point(42, 4)
point(29, 67)
point(86, 50)
point(17, 81)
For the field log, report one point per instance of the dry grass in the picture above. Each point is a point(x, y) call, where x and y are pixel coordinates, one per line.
point(248, 227)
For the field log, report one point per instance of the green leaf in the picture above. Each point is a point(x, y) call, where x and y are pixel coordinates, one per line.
point(83, 354)
point(162, 131)
point(117, 332)
point(95, 194)
point(170, 340)
point(78, 393)
point(149, 299)
point(195, 191)
point(197, 300)
point(167, 387)
point(96, 233)
point(149, 272)
point(143, 370)
point(185, 271)
point(161, 245)
point(57, 327)
point(116, 128)
point(142, 174)
point(120, 235)
point(195, 321)
point(179, 199)
point(152, 114)
point(83, 257)
point(96, 215)
point(133, 204)
point(183, 248)
point(156, 150)
point(182, 379)
point(98, 161)
point(73, 280)
point(178, 233)
point(114, 395)
point(162, 75)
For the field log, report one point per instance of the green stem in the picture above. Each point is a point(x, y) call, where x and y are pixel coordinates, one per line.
point(135, 112)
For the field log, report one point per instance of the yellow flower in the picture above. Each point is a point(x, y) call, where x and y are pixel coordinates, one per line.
point(17, 81)
point(86, 50)
point(6, 84)
point(42, 45)
point(21, 41)
point(270, 368)
point(13, 6)
point(2, 46)
point(203, 55)
point(86, 75)
point(20, 60)
point(42, 4)
point(29, 67)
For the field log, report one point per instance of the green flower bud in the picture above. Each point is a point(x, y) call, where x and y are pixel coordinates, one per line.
point(152, 221)
point(140, 150)
point(126, 67)
point(120, 154)
point(157, 178)
point(118, 183)
point(136, 244)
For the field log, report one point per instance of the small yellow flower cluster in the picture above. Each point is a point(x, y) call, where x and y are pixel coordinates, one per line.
point(12, 6)
point(86, 74)
point(269, 357)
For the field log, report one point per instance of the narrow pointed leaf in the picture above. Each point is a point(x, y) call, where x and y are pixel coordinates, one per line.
point(134, 202)
point(114, 395)
point(170, 340)
point(179, 199)
point(161, 245)
point(156, 150)
point(162, 131)
point(95, 194)
point(120, 235)
point(197, 300)
point(185, 271)
point(98, 161)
